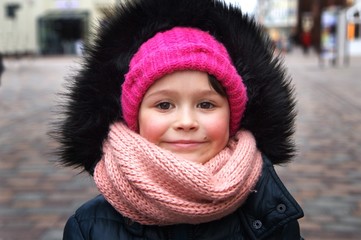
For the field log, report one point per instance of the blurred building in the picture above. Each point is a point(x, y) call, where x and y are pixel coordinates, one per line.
point(62, 26)
point(313, 15)
point(327, 26)
point(280, 19)
point(353, 18)
point(48, 27)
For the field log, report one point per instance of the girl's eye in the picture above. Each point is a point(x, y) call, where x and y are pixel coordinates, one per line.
point(205, 105)
point(164, 105)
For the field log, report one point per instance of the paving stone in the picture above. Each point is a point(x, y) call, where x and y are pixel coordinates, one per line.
point(52, 235)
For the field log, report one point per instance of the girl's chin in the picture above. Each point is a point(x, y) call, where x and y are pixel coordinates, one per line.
point(196, 159)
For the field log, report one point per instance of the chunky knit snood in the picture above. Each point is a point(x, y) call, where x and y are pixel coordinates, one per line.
point(153, 186)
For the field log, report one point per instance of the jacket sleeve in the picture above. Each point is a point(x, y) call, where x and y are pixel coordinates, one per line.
point(72, 230)
point(291, 231)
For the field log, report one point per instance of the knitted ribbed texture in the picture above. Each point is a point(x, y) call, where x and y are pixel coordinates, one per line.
point(181, 49)
point(151, 185)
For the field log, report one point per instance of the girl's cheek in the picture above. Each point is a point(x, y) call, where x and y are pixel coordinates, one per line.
point(217, 124)
point(152, 128)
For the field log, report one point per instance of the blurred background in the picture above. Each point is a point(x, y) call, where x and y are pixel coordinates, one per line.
point(30, 27)
point(41, 45)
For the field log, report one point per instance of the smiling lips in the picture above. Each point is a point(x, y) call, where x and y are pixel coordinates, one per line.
point(184, 144)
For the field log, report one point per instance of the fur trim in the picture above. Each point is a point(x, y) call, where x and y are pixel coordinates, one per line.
point(92, 100)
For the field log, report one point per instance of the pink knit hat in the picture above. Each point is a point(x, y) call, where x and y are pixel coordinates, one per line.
point(181, 48)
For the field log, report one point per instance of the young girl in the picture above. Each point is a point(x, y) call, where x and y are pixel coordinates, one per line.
point(179, 113)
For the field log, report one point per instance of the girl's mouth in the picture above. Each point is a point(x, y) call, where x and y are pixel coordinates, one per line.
point(183, 144)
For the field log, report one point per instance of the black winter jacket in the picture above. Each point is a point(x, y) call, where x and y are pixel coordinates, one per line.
point(269, 213)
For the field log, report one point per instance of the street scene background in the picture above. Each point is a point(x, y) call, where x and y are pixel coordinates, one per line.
point(41, 41)
point(37, 195)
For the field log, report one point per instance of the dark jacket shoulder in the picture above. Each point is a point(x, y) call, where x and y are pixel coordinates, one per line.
point(271, 208)
point(95, 219)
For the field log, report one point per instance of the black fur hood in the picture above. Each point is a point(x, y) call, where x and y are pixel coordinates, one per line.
point(92, 101)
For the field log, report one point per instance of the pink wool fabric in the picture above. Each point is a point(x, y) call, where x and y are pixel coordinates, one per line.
point(179, 49)
point(153, 186)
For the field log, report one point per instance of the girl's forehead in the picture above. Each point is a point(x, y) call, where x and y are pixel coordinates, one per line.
point(180, 81)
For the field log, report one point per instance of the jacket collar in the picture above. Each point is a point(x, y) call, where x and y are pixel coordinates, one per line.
point(270, 206)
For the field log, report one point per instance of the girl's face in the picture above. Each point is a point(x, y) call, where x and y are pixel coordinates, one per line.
point(181, 112)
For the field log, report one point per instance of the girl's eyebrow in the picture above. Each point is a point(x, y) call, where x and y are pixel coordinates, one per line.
point(161, 92)
point(207, 92)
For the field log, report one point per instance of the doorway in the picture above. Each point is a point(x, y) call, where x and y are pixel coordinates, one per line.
point(62, 32)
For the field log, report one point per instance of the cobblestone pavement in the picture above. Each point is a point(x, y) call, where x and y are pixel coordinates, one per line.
point(326, 175)
point(37, 196)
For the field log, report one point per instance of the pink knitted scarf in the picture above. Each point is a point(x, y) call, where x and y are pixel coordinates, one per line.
point(153, 186)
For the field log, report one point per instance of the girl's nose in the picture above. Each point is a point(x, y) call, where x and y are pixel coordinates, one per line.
point(186, 121)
